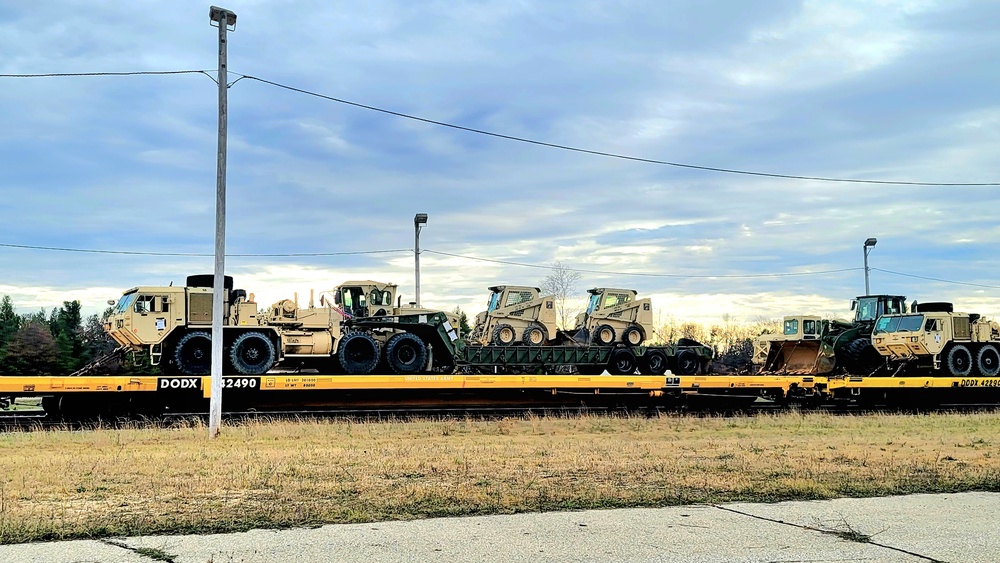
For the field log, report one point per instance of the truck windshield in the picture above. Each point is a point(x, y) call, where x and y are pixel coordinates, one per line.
point(887, 324)
point(125, 302)
point(595, 300)
point(910, 323)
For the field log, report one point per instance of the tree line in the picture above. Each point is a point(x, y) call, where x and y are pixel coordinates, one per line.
point(57, 342)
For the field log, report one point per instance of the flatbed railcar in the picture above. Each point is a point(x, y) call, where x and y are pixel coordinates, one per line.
point(151, 396)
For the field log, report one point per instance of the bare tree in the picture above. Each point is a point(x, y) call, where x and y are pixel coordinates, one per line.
point(561, 282)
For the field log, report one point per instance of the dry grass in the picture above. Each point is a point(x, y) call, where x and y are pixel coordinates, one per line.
point(106, 482)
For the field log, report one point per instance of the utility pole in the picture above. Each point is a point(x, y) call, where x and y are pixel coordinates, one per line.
point(222, 18)
point(869, 244)
point(418, 220)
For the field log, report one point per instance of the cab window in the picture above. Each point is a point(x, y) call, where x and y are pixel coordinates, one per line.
point(595, 300)
point(792, 326)
point(809, 327)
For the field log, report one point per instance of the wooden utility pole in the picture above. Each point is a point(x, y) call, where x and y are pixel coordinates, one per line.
point(222, 18)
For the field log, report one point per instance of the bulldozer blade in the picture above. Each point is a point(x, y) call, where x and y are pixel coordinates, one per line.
point(797, 358)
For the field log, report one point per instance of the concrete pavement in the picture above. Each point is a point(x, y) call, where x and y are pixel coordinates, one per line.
point(961, 527)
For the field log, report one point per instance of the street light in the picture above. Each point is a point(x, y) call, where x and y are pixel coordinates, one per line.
point(418, 220)
point(869, 243)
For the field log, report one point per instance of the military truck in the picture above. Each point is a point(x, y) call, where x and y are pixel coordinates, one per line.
point(614, 315)
point(174, 325)
point(810, 345)
point(517, 314)
point(934, 340)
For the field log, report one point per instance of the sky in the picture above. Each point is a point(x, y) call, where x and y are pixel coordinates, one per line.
point(871, 90)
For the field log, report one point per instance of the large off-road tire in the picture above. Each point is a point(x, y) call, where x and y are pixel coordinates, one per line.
point(633, 335)
point(406, 354)
point(534, 335)
point(358, 353)
point(653, 362)
point(503, 335)
point(622, 362)
point(988, 361)
point(252, 353)
point(687, 363)
point(861, 358)
point(604, 335)
point(958, 360)
point(193, 353)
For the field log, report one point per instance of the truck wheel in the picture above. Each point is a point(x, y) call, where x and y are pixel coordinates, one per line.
point(861, 358)
point(633, 336)
point(622, 362)
point(252, 353)
point(604, 335)
point(988, 361)
point(534, 335)
point(358, 353)
point(193, 353)
point(503, 335)
point(687, 362)
point(959, 361)
point(406, 353)
point(653, 362)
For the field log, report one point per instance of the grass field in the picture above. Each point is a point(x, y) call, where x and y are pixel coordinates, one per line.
point(105, 482)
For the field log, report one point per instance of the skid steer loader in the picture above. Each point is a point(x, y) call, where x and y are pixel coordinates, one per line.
point(614, 315)
point(516, 315)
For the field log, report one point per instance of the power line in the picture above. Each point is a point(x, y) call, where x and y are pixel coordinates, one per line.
point(935, 279)
point(511, 137)
point(609, 154)
point(131, 73)
point(645, 274)
point(195, 254)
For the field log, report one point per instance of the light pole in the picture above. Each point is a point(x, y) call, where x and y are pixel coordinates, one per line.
point(418, 220)
point(222, 18)
point(869, 244)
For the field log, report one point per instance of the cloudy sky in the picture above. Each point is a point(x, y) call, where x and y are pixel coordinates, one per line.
point(900, 91)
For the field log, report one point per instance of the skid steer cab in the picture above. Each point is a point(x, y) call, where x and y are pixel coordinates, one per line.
point(174, 326)
point(614, 315)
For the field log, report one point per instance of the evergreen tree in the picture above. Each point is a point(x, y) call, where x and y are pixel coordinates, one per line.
point(463, 320)
point(33, 351)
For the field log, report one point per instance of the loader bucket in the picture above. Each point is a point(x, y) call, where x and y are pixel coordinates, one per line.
point(798, 357)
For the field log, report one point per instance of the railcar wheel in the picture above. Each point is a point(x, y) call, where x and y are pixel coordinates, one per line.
point(687, 362)
point(358, 353)
point(604, 335)
point(534, 335)
point(622, 362)
point(252, 353)
point(959, 361)
point(406, 353)
point(193, 353)
point(653, 362)
point(633, 336)
point(988, 361)
point(503, 335)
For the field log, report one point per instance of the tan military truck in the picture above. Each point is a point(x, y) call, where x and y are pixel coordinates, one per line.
point(935, 340)
point(516, 314)
point(615, 315)
point(174, 325)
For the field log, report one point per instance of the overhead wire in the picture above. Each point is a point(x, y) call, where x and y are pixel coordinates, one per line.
point(609, 154)
point(509, 137)
point(934, 279)
point(197, 254)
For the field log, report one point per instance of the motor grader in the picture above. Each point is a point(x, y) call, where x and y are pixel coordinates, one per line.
point(809, 345)
point(614, 315)
point(516, 314)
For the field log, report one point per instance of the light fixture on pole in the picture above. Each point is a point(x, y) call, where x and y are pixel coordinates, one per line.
point(419, 220)
point(223, 19)
point(869, 244)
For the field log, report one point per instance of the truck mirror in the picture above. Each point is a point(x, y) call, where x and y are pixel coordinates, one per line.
point(854, 304)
